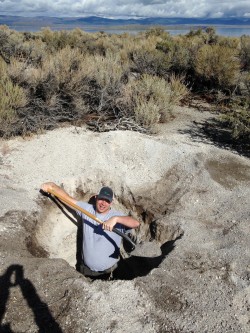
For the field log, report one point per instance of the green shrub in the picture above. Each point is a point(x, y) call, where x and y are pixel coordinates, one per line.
point(208, 35)
point(157, 31)
point(247, 84)
point(107, 71)
point(180, 52)
point(66, 74)
point(195, 32)
point(245, 52)
point(16, 45)
point(52, 76)
point(150, 99)
point(154, 62)
point(101, 79)
point(57, 40)
point(54, 40)
point(180, 57)
point(15, 70)
point(146, 113)
point(238, 120)
point(218, 65)
point(231, 42)
point(179, 90)
point(12, 96)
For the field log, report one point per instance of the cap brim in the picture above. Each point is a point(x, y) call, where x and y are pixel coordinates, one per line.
point(103, 197)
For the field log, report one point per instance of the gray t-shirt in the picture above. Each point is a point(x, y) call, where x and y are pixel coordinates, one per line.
point(100, 247)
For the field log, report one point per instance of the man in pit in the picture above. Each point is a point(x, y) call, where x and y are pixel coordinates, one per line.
point(100, 246)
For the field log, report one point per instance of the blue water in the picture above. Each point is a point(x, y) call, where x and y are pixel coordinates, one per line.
point(223, 31)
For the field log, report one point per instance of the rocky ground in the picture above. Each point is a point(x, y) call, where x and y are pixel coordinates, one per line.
point(190, 271)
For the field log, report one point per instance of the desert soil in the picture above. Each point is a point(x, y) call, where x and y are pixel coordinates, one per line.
point(190, 271)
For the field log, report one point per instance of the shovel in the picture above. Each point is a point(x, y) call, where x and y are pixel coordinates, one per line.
point(93, 217)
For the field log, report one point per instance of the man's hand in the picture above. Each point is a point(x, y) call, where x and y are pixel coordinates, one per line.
point(110, 223)
point(127, 221)
point(47, 187)
point(59, 192)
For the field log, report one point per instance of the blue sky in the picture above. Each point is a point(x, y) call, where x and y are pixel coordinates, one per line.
point(127, 8)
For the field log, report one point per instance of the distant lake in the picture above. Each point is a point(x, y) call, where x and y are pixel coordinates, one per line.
point(227, 31)
point(222, 31)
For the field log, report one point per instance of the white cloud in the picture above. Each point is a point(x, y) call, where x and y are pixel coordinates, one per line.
point(163, 8)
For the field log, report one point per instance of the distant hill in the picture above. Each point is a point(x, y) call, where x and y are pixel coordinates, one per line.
point(164, 21)
point(36, 23)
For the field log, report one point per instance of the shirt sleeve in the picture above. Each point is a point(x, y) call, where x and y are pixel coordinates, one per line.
point(83, 205)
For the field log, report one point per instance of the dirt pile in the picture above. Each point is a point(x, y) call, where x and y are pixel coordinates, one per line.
point(191, 269)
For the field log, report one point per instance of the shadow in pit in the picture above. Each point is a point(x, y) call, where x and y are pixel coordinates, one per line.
point(216, 132)
point(43, 318)
point(135, 266)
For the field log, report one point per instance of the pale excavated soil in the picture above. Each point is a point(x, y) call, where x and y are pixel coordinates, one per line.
point(191, 270)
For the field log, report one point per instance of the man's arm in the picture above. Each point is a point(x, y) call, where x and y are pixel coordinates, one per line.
point(127, 221)
point(53, 188)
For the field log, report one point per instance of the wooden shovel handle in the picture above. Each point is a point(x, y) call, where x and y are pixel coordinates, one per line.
point(93, 217)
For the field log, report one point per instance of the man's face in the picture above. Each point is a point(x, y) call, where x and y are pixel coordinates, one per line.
point(102, 205)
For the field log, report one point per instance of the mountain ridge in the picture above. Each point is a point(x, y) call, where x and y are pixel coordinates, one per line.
point(96, 20)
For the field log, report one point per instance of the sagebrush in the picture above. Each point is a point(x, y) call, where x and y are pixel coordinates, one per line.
point(50, 77)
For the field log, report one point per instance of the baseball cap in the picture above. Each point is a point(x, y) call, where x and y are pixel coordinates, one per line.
point(105, 193)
